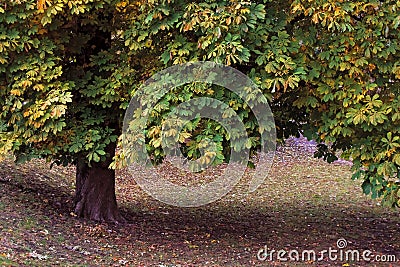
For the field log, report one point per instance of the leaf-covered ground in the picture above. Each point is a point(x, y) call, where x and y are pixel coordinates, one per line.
point(304, 203)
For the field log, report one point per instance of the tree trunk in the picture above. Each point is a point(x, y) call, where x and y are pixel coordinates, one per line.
point(95, 190)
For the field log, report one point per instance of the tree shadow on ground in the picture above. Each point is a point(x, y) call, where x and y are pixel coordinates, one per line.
point(229, 229)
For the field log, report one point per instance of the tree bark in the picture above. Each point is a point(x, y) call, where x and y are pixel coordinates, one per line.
point(95, 190)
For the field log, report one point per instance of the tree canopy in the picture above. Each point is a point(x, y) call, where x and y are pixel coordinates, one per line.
point(330, 70)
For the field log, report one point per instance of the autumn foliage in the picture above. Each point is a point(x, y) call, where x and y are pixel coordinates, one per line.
point(330, 70)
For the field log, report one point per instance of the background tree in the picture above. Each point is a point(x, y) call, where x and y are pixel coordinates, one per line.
point(69, 68)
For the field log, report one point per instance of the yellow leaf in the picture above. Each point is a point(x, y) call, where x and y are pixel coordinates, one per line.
point(15, 92)
point(148, 43)
point(41, 4)
point(26, 83)
point(26, 113)
point(122, 4)
point(315, 18)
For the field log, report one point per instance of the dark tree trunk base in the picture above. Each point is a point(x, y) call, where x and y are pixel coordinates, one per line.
point(95, 191)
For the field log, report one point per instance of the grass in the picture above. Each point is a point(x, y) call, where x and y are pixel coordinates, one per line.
point(303, 204)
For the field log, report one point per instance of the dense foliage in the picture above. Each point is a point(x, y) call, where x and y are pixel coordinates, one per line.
point(330, 69)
